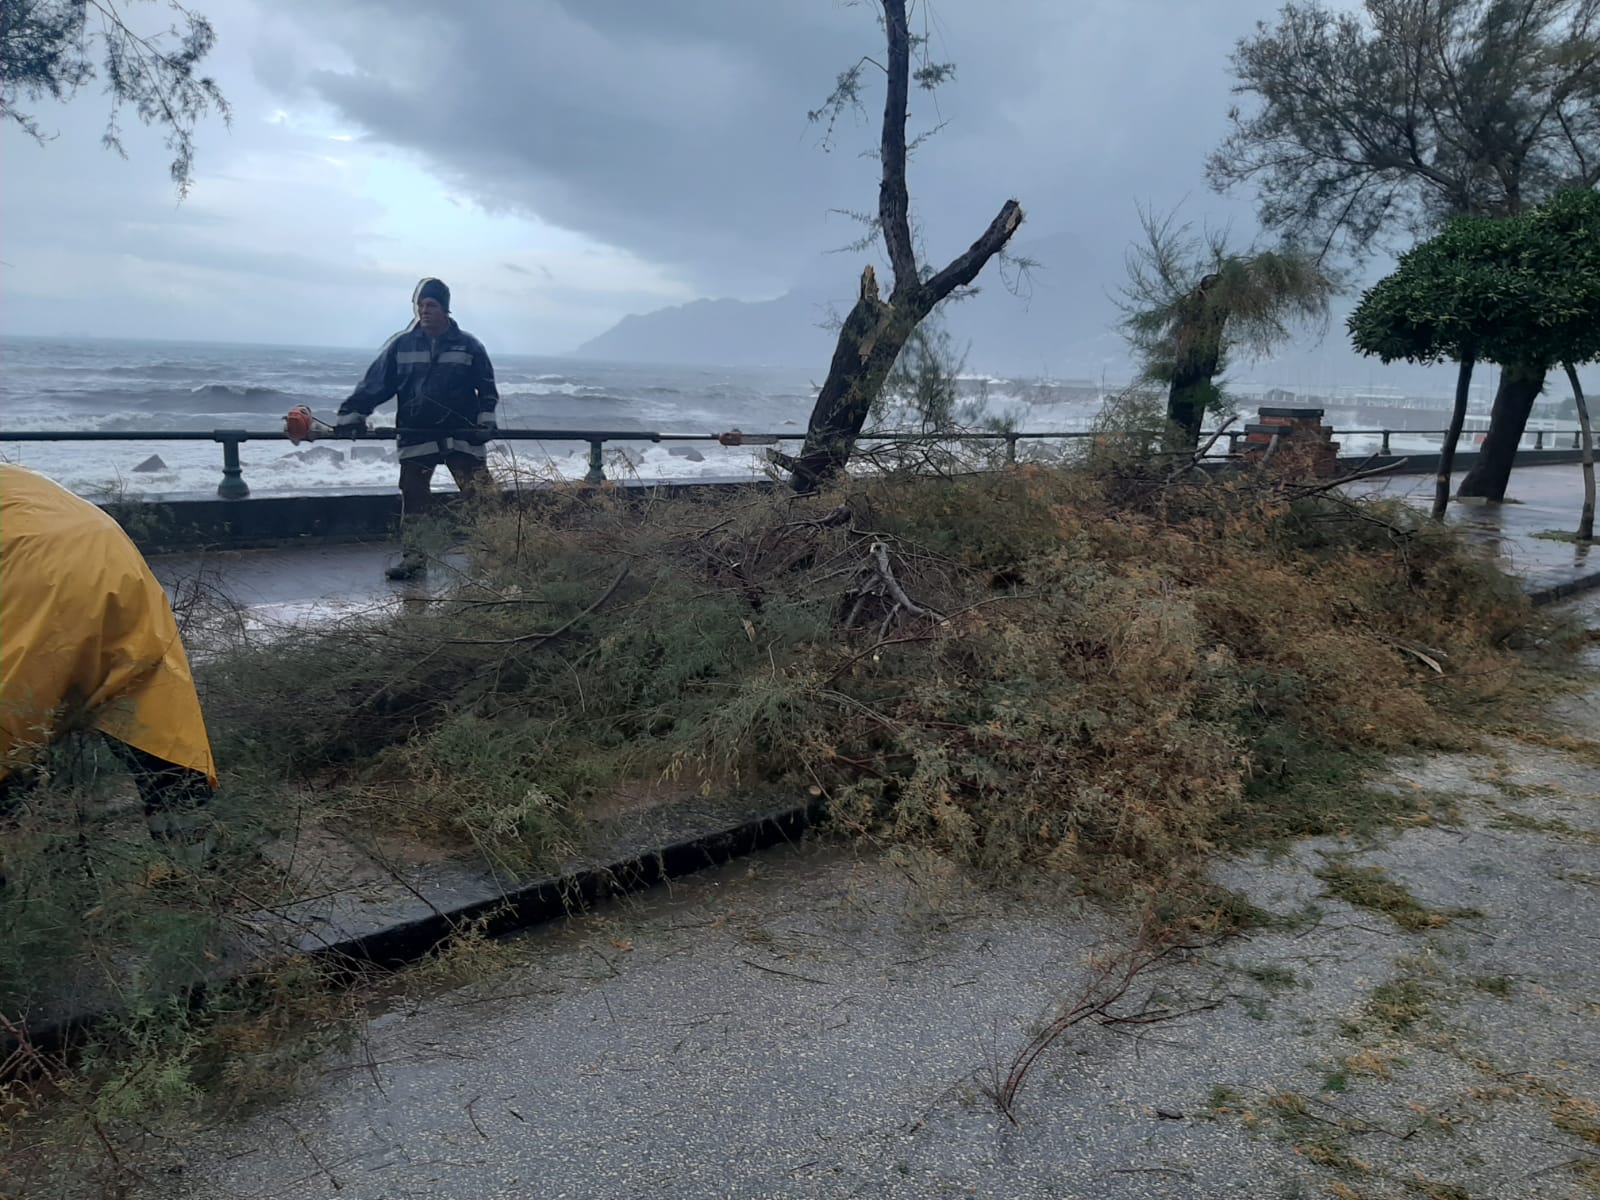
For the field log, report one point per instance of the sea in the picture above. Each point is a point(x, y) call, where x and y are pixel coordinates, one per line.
point(133, 387)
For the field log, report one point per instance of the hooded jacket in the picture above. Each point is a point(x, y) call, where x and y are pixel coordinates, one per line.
point(86, 633)
point(444, 383)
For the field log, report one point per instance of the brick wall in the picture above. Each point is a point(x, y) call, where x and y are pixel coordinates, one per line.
point(1305, 447)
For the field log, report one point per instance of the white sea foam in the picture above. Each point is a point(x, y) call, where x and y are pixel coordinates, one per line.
point(58, 385)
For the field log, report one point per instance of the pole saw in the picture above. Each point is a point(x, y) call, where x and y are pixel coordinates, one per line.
point(303, 425)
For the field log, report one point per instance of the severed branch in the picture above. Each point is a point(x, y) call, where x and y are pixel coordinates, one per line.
point(877, 581)
point(871, 652)
point(1113, 977)
point(965, 269)
point(1334, 484)
point(534, 639)
point(1198, 456)
point(880, 558)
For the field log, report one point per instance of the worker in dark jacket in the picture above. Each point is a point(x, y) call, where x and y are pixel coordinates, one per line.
point(444, 381)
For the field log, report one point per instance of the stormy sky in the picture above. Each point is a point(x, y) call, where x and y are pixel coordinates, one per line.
point(563, 163)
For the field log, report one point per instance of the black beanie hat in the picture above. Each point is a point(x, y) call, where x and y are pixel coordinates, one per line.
point(431, 289)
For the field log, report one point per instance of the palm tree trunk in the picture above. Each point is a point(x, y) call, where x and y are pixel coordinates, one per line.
point(1447, 452)
point(1586, 521)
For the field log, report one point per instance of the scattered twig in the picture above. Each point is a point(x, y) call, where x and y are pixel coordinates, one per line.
point(1109, 983)
point(786, 974)
point(471, 1116)
point(533, 639)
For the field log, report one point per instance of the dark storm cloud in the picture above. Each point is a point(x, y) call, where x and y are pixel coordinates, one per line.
point(677, 130)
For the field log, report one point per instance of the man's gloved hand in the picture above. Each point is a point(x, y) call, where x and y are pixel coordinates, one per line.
point(349, 425)
point(485, 430)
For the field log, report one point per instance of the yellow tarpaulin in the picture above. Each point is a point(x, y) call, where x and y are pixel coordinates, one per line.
point(86, 628)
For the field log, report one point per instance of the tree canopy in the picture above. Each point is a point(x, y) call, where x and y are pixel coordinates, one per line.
point(1263, 293)
point(1413, 111)
point(51, 49)
point(1522, 289)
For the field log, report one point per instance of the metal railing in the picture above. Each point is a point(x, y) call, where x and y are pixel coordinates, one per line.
point(1538, 436)
point(233, 486)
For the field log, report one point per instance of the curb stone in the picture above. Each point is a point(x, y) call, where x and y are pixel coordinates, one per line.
point(501, 911)
point(1551, 593)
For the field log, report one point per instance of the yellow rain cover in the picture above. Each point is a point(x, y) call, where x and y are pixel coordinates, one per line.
point(85, 627)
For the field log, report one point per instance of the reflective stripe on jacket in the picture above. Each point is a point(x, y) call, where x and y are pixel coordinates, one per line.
point(441, 383)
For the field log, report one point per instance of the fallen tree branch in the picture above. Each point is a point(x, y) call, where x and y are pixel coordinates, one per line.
point(1109, 984)
point(1199, 455)
point(1332, 484)
point(535, 638)
point(880, 558)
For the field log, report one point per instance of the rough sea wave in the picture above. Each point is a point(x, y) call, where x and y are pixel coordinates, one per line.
point(132, 387)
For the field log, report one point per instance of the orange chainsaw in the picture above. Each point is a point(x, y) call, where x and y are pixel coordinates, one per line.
point(301, 424)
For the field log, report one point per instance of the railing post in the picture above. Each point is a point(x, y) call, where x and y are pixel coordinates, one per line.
point(597, 468)
point(1577, 444)
point(1385, 449)
point(1538, 439)
point(1011, 448)
point(233, 486)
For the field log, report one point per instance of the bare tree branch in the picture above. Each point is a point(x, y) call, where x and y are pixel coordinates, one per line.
point(46, 49)
point(965, 269)
point(894, 203)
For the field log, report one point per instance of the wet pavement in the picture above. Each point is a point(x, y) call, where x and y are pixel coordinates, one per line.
point(1540, 501)
point(817, 1024)
point(263, 590)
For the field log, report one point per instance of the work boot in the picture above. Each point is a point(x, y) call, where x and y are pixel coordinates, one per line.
point(410, 566)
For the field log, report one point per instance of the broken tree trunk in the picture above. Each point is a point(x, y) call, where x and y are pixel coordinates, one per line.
point(1188, 399)
point(876, 329)
point(870, 340)
point(1586, 521)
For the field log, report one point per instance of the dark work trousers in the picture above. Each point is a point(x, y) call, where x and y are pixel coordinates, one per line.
point(416, 482)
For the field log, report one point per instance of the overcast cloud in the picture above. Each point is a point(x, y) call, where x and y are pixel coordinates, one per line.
point(677, 131)
point(565, 162)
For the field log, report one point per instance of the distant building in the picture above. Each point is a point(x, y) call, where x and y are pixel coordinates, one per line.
point(1279, 398)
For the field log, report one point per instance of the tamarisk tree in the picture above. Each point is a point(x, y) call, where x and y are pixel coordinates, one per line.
point(877, 327)
point(1191, 303)
point(49, 48)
